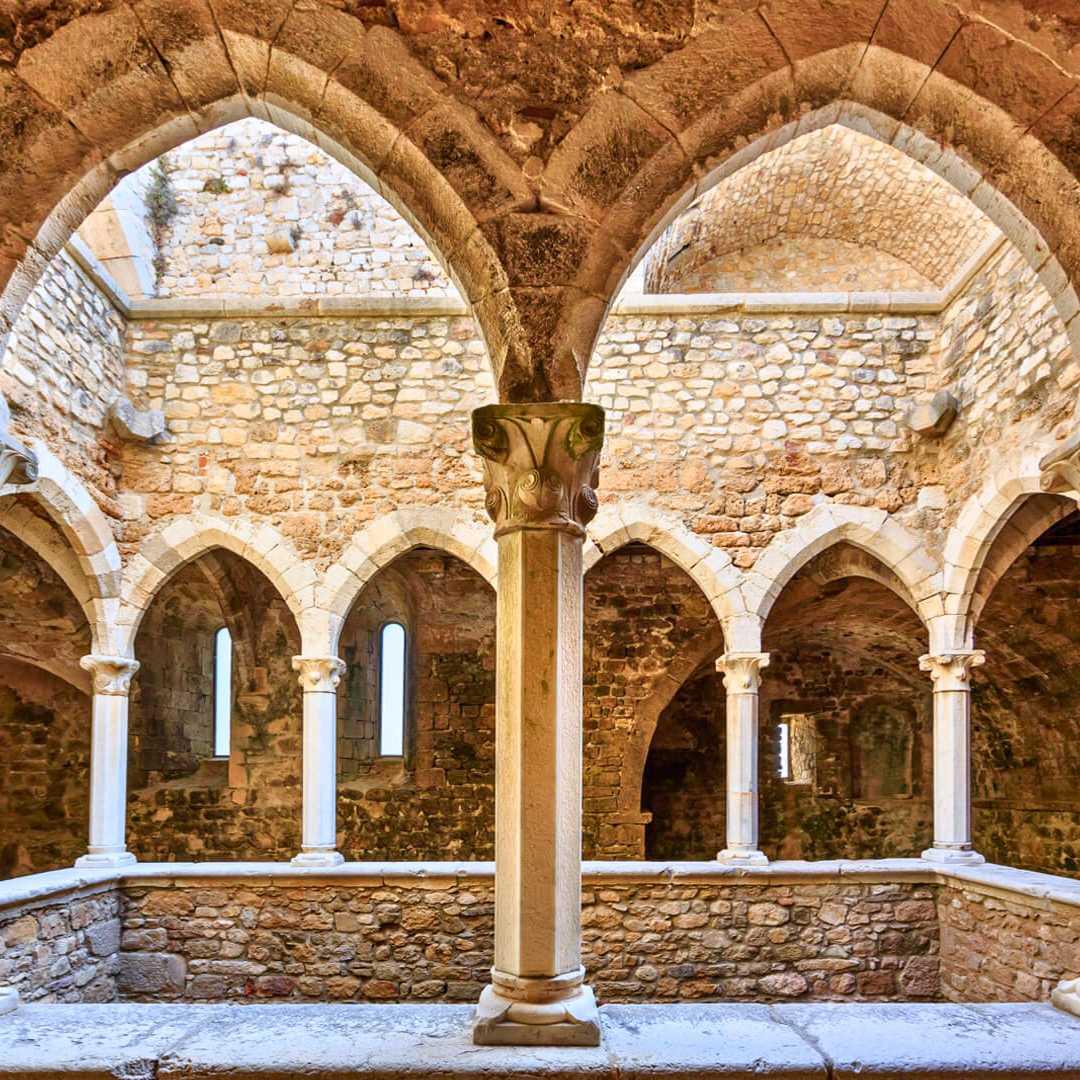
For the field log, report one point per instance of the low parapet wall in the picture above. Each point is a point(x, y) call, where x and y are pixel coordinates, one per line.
point(895, 930)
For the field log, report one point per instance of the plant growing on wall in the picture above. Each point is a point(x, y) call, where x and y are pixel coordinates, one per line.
point(217, 185)
point(161, 206)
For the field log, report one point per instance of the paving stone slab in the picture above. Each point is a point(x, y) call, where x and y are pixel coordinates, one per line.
point(703, 1040)
point(91, 1041)
point(940, 1040)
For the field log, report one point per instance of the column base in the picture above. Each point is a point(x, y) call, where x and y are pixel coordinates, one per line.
point(96, 860)
point(560, 1011)
point(9, 999)
point(318, 858)
point(956, 856)
point(1066, 996)
point(741, 857)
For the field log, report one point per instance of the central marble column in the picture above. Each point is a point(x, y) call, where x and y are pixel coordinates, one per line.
point(540, 472)
point(111, 678)
point(951, 673)
point(319, 678)
point(742, 678)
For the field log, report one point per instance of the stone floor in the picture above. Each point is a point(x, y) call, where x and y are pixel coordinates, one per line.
point(730, 1041)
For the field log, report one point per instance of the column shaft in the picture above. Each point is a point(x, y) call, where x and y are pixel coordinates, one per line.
point(540, 471)
point(742, 677)
point(951, 673)
point(319, 678)
point(111, 678)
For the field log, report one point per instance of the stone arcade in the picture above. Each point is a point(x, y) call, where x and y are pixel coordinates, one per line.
point(551, 527)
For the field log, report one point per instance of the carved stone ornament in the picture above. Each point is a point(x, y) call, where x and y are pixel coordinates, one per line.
point(742, 671)
point(934, 417)
point(1060, 469)
point(18, 464)
point(319, 674)
point(541, 464)
point(952, 671)
point(111, 675)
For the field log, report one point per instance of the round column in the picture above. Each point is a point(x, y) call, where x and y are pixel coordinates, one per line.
point(951, 675)
point(319, 678)
point(742, 679)
point(111, 679)
point(540, 471)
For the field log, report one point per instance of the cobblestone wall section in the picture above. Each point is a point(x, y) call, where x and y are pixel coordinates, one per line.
point(832, 185)
point(63, 368)
point(434, 940)
point(998, 946)
point(64, 951)
point(263, 212)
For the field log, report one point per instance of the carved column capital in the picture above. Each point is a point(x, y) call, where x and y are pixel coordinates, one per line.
point(111, 675)
point(541, 464)
point(319, 674)
point(742, 671)
point(18, 464)
point(952, 670)
point(1059, 471)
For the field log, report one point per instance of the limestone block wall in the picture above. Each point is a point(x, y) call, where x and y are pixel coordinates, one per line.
point(62, 369)
point(736, 423)
point(263, 212)
point(62, 948)
point(319, 424)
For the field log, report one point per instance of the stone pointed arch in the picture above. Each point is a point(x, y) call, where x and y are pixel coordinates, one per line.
point(90, 563)
point(618, 524)
point(917, 77)
point(874, 531)
point(182, 540)
point(996, 508)
point(98, 93)
point(377, 545)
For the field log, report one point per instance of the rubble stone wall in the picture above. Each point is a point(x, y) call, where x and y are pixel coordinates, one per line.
point(403, 939)
point(62, 369)
point(62, 949)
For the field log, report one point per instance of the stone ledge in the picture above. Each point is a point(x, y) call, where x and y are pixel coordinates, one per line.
point(716, 1040)
point(988, 878)
point(299, 307)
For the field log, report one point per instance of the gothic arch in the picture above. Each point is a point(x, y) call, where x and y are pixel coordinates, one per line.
point(874, 531)
point(619, 524)
point(90, 565)
point(674, 129)
point(971, 544)
point(185, 539)
point(377, 545)
point(108, 91)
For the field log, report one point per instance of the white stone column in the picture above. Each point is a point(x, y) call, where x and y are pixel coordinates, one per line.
point(540, 471)
point(111, 678)
point(742, 678)
point(319, 678)
point(951, 673)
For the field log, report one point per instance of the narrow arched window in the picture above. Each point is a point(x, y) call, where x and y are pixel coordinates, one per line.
point(392, 690)
point(222, 692)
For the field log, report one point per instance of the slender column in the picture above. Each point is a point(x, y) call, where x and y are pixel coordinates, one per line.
point(951, 673)
point(111, 677)
point(540, 471)
point(742, 677)
point(319, 678)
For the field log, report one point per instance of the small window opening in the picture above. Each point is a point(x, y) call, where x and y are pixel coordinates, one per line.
point(392, 690)
point(222, 692)
point(797, 739)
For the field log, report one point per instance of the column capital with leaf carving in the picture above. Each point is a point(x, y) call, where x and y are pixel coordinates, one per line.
point(111, 675)
point(951, 671)
point(1060, 469)
point(742, 671)
point(541, 464)
point(319, 674)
